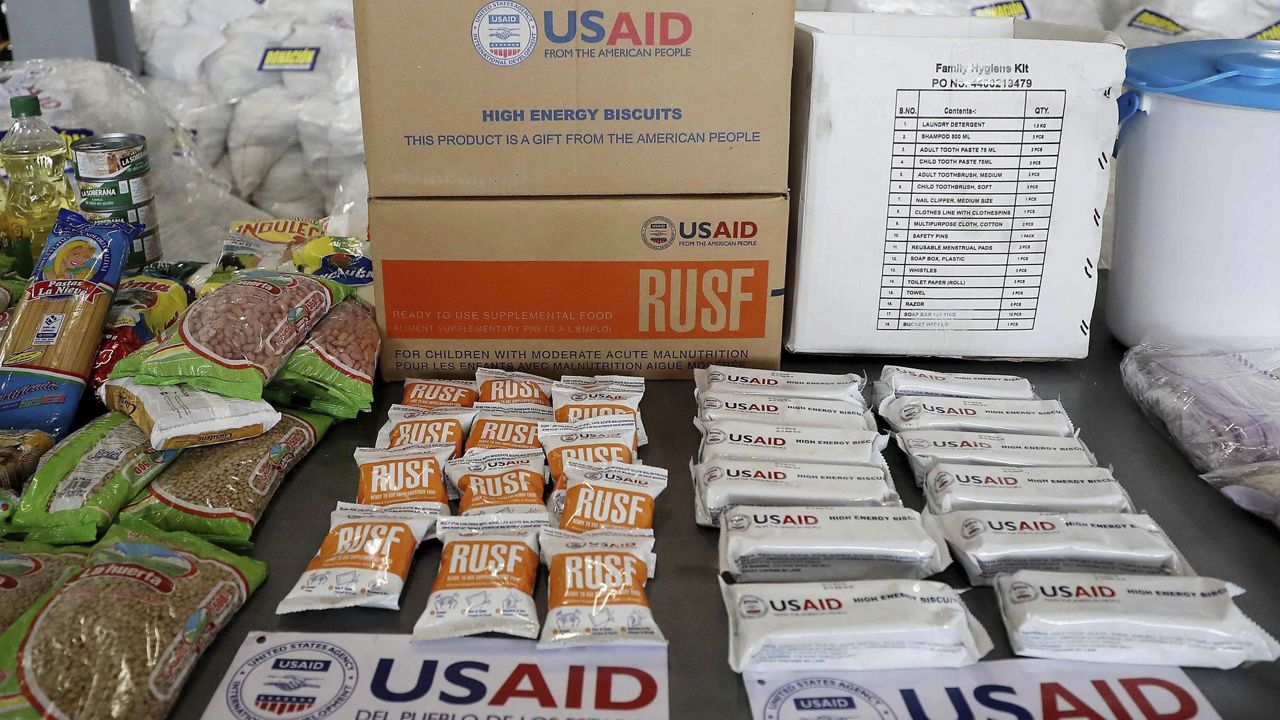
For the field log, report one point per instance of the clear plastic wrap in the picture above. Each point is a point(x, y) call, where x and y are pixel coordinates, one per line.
point(1221, 407)
point(82, 97)
point(1254, 487)
point(1155, 22)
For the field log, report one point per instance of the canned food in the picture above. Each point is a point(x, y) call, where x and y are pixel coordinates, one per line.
point(144, 214)
point(104, 195)
point(113, 156)
point(145, 250)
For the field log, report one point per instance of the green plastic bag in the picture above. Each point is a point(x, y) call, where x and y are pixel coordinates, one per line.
point(332, 372)
point(29, 570)
point(219, 492)
point(234, 340)
point(118, 640)
point(86, 479)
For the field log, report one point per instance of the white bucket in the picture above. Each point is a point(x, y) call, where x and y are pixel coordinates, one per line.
point(1197, 249)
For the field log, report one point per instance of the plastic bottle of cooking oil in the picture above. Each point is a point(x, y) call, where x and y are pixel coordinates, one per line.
point(36, 158)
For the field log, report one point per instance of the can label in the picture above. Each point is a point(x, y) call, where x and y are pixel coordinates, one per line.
point(107, 195)
point(111, 158)
point(145, 250)
point(144, 214)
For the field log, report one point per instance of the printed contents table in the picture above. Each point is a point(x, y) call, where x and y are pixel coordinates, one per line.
point(970, 202)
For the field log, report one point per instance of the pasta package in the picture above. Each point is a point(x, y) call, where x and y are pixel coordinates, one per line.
point(20, 452)
point(143, 306)
point(236, 339)
point(430, 394)
point(47, 354)
point(86, 479)
point(219, 492)
point(507, 427)
point(146, 605)
point(332, 372)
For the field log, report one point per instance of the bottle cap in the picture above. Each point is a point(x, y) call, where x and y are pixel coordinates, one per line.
point(24, 106)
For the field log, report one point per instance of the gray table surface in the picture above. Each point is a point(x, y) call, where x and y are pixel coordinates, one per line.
point(1217, 538)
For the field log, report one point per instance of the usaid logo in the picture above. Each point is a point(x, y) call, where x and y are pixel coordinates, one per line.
point(658, 233)
point(822, 698)
point(943, 481)
point(918, 444)
point(971, 528)
point(303, 680)
point(715, 437)
point(712, 403)
point(712, 474)
point(504, 33)
point(751, 607)
point(1023, 592)
point(593, 474)
point(909, 412)
point(739, 522)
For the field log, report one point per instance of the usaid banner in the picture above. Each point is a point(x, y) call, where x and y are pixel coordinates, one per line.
point(312, 676)
point(1014, 689)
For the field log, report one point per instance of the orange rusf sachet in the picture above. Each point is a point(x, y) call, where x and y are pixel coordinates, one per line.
point(511, 427)
point(599, 440)
point(485, 583)
point(430, 394)
point(505, 386)
point(604, 384)
point(596, 589)
point(498, 481)
point(364, 559)
point(614, 496)
point(411, 426)
point(410, 473)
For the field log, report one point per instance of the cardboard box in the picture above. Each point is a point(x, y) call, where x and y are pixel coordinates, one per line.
point(949, 193)
point(558, 97)
point(652, 286)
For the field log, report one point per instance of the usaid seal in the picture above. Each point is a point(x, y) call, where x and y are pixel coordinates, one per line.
point(658, 232)
point(301, 680)
point(1021, 592)
point(943, 481)
point(715, 437)
point(504, 33)
point(751, 606)
point(909, 412)
point(738, 521)
point(971, 528)
point(822, 698)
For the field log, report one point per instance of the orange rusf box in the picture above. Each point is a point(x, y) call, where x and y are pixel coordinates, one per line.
point(652, 286)
point(560, 97)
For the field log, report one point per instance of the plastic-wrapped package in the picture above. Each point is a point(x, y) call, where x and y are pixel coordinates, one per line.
point(263, 128)
point(231, 73)
point(1065, 12)
point(1155, 22)
point(90, 97)
point(176, 53)
point(287, 191)
point(1255, 487)
point(204, 118)
point(1221, 407)
point(349, 206)
point(329, 129)
point(154, 16)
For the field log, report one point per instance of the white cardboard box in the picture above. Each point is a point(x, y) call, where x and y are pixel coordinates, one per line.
point(949, 177)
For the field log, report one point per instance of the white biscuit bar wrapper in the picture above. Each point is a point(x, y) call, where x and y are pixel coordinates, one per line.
point(774, 410)
point(506, 386)
point(825, 544)
point(950, 487)
point(414, 426)
point(610, 496)
point(990, 542)
point(779, 383)
point(364, 559)
point(1132, 619)
point(1023, 417)
point(596, 589)
point(489, 482)
point(175, 416)
point(488, 569)
point(723, 484)
point(916, 381)
point(850, 626)
point(741, 440)
point(927, 448)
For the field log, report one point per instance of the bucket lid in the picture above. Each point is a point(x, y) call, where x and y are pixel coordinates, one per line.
point(1243, 73)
